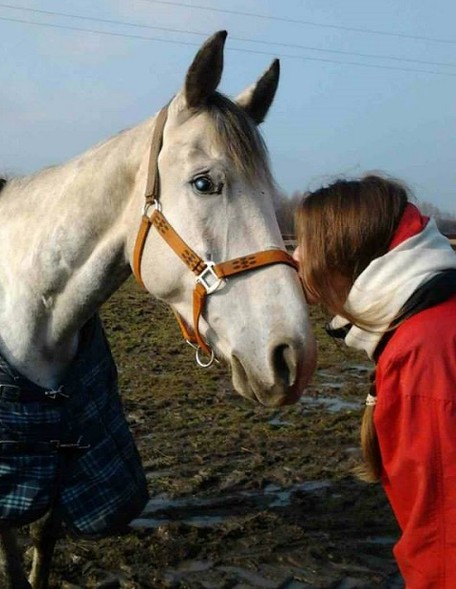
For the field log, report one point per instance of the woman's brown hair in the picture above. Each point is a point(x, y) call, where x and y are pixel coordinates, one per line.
point(341, 228)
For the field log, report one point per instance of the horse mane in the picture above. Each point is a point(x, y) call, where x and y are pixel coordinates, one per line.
point(239, 135)
point(234, 130)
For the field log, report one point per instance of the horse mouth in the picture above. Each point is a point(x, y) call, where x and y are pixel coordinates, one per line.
point(286, 390)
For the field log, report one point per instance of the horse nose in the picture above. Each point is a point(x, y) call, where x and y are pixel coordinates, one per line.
point(285, 364)
point(279, 381)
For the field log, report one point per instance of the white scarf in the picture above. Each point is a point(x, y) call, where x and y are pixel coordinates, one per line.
point(380, 291)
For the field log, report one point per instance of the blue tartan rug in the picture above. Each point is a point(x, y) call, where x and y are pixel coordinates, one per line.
point(70, 449)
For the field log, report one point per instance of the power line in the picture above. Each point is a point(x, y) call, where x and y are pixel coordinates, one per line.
point(234, 38)
point(189, 43)
point(303, 22)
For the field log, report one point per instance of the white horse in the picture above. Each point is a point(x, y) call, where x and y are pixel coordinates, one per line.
point(68, 235)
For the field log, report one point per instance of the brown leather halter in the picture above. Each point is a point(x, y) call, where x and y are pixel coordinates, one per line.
point(209, 275)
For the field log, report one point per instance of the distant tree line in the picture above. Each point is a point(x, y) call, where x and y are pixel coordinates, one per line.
point(446, 222)
point(286, 211)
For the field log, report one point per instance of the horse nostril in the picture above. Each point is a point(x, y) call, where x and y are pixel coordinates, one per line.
point(285, 364)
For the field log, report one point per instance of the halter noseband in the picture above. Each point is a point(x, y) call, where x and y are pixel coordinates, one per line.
point(209, 275)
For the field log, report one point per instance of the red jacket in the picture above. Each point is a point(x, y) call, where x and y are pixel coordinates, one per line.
point(415, 419)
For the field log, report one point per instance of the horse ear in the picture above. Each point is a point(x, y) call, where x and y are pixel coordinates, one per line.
point(204, 74)
point(258, 97)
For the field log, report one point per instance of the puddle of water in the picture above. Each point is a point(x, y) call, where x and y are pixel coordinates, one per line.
point(194, 566)
point(327, 374)
point(332, 404)
point(278, 422)
point(282, 497)
point(362, 368)
point(207, 512)
point(253, 578)
point(381, 540)
point(199, 521)
point(147, 523)
point(203, 512)
point(332, 385)
point(358, 370)
point(158, 474)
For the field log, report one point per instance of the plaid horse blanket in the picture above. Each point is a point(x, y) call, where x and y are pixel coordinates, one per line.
point(71, 448)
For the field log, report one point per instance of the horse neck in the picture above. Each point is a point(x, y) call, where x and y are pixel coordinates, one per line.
point(63, 239)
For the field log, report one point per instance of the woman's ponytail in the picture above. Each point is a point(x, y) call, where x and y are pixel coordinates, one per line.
point(371, 469)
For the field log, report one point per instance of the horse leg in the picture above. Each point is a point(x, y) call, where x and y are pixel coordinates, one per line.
point(44, 534)
point(12, 571)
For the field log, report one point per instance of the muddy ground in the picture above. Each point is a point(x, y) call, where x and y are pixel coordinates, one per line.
point(241, 496)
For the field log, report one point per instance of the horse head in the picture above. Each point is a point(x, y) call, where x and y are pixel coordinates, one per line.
point(217, 192)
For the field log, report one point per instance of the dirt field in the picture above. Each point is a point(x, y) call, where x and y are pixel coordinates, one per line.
point(242, 496)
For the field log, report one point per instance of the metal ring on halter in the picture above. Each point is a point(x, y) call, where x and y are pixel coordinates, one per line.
point(155, 203)
point(200, 362)
point(191, 344)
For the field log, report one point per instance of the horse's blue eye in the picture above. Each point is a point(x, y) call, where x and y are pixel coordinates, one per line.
point(204, 185)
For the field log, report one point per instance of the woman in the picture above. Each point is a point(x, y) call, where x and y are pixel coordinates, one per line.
point(389, 277)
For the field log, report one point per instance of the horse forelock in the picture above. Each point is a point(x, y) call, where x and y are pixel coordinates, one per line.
point(239, 136)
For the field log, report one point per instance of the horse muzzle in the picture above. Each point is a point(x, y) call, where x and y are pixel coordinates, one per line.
point(282, 381)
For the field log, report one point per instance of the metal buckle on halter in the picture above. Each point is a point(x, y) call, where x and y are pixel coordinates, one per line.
point(209, 279)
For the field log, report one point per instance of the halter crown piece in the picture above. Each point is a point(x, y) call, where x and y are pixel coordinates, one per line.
point(209, 275)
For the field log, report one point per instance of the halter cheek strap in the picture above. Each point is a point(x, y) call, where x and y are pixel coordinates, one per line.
point(209, 275)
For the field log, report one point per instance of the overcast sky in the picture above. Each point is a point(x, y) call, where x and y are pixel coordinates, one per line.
point(364, 85)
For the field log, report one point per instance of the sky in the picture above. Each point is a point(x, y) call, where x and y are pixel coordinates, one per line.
point(365, 86)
